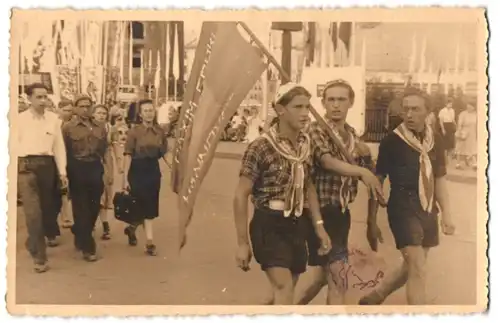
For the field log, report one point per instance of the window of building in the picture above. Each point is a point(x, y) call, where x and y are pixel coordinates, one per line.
point(137, 30)
point(136, 58)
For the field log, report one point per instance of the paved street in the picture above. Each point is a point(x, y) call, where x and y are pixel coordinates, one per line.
point(205, 272)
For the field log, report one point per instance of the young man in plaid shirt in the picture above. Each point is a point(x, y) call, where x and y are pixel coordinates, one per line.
point(336, 182)
point(276, 172)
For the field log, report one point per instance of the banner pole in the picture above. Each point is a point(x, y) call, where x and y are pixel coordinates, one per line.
point(285, 76)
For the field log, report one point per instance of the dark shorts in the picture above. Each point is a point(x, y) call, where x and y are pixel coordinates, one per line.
point(278, 241)
point(411, 229)
point(337, 225)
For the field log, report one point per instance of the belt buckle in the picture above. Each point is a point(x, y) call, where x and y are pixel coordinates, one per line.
point(276, 205)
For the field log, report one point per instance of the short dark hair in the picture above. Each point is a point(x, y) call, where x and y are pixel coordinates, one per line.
point(82, 97)
point(142, 102)
point(31, 88)
point(114, 117)
point(137, 111)
point(340, 83)
point(101, 106)
point(413, 91)
point(63, 103)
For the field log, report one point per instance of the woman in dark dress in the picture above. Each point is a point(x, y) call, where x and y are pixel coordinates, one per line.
point(146, 144)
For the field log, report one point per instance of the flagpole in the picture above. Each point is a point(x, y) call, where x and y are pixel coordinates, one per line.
point(105, 60)
point(286, 77)
point(150, 68)
point(122, 51)
point(141, 70)
point(21, 54)
point(157, 76)
point(176, 62)
point(352, 51)
point(131, 54)
point(167, 66)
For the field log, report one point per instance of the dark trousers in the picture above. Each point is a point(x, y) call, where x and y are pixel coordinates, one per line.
point(86, 187)
point(37, 184)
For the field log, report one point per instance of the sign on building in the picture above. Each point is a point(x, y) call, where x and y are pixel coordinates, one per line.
point(127, 93)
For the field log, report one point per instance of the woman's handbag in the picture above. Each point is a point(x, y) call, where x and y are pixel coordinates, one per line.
point(125, 207)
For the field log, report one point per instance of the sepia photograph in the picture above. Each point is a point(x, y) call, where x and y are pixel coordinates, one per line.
point(329, 160)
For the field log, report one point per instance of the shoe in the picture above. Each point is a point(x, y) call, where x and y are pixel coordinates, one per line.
point(52, 242)
point(41, 268)
point(89, 257)
point(132, 239)
point(372, 298)
point(105, 235)
point(151, 249)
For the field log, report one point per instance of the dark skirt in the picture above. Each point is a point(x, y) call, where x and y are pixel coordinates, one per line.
point(144, 178)
point(449, 137)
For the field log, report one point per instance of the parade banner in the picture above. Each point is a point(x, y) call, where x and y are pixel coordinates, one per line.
point(92, 77)
point(67, 80)
point(225, 68)
point(111, 83)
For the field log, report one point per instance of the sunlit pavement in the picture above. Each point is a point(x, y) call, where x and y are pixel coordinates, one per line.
point(205, 272)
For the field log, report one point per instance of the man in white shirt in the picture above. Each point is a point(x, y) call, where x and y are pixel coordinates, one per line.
point(42, 156)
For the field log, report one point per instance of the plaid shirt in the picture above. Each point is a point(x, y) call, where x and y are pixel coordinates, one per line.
point(270, 172)
point(327, 182)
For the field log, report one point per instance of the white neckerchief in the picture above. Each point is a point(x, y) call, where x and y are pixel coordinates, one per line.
point(346, 181)
point(426, 177)
point(295, 192)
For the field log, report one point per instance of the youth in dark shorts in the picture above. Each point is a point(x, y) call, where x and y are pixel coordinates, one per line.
point(146, 145)
point(336, 180)
point(276, 172)
point(418, 186)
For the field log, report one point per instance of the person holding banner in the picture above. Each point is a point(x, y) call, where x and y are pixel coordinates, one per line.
point(146, 144)
point(336, 183)
point(88, 158)
point(276, 171)
point(413, 157)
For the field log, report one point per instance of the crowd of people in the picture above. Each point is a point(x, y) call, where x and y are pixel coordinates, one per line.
point(301, 178)
point(73, 159)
